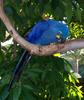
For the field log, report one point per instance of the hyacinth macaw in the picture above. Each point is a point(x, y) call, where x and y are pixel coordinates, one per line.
point(43, 33)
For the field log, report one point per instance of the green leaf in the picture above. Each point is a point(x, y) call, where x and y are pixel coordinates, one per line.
point(26, 94)
point(78, 12)
point(17, 92)
point(28, 87)
point(68, 9)
point(1, 56)
point(9, 10)
point(54, 4)
point(4, 93)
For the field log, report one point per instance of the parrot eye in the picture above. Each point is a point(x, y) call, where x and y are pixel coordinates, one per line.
point(58, 36)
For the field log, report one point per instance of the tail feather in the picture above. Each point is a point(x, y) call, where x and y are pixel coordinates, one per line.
point(19, 68)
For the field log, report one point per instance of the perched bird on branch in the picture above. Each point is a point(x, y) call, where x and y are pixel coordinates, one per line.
point(43, 33)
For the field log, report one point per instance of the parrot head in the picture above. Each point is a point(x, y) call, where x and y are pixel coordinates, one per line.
point(63, 32)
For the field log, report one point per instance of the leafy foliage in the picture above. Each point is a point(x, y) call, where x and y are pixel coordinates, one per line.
point(45, 78)
point(77, 30)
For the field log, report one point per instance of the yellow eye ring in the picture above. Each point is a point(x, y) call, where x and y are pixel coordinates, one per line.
point(58, 36)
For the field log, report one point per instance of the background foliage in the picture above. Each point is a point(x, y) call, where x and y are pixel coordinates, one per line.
point(44, 78)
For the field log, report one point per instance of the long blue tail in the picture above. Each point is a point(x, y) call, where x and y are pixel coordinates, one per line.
point(19, 68)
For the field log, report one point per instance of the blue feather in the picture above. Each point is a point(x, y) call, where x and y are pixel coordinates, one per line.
point(44, 32)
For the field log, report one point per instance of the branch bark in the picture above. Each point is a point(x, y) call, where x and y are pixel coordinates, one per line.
point(35, 49)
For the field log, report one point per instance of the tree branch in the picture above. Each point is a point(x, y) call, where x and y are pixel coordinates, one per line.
point(35, 49)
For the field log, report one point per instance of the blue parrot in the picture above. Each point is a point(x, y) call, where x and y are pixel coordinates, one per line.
point(46, 31)
point(43, 33)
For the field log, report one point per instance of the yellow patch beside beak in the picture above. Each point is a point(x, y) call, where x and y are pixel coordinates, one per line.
point(57, 54)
